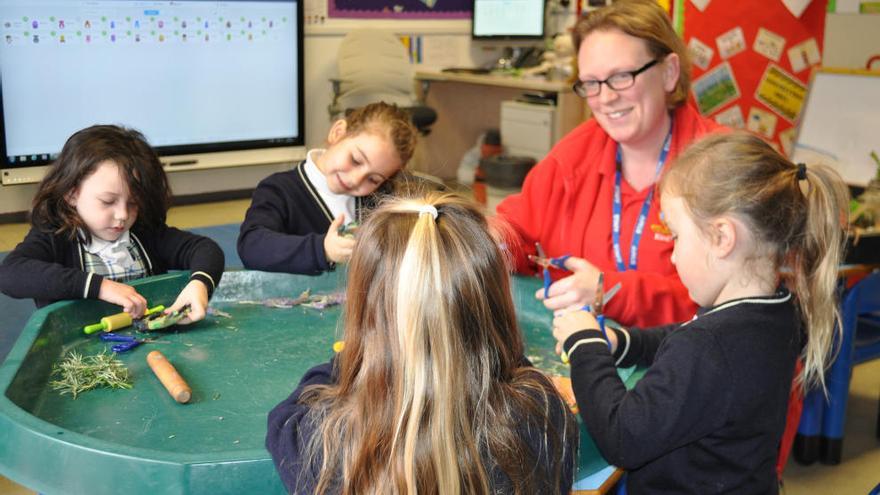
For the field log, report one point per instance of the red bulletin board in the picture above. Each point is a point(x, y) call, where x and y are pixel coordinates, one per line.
point(740, 84)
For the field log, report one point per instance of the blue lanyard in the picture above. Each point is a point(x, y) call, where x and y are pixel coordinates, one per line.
point(643, 216)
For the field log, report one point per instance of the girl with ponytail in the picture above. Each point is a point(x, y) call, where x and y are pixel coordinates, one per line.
point(758, 241)
point(431, 393)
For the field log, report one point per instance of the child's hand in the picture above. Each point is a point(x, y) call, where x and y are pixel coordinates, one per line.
point(195, 294)
point(337, 248)
point(571, 322)
point(123, 295)
point(574, 291)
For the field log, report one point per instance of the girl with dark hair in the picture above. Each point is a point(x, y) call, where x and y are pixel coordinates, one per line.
point(98, 220)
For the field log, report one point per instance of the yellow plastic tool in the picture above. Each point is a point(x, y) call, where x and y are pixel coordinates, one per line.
point(117, 321)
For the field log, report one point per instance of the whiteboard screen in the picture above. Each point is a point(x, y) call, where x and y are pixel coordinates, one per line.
point(840, 124)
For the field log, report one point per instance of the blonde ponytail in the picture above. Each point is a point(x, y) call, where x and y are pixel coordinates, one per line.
point(432, 392)
point(815, 258)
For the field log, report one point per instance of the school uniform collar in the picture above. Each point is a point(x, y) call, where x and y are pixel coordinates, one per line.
point(97, 246)
point(316, 183)
point(781, 296)
point(113, 253)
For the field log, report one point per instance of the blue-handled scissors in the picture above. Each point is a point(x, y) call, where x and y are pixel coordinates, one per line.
point(597, 309)
point(127, 342)
point(599, 306)
point(545, 263)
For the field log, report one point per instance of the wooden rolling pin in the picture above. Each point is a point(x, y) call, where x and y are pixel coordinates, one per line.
point(170, 378)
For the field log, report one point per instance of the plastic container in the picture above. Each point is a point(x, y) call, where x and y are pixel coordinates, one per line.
point(506, 172)
point(490, 147)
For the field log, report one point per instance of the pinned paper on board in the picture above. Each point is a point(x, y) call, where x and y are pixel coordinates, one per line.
point(781, 92)
point(701, 53)
point(715, 89)
point(731, 117)
point(731, 43)
point(700, 4)
point(769, 44)
point(804, 55)
point(786, 139)
point(762, 122)
point(796, 7)
point(442, 51)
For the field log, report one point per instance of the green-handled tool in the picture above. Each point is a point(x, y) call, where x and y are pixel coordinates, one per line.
point(117, 321)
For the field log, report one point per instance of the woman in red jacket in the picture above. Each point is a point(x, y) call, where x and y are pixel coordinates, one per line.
point(635, 75)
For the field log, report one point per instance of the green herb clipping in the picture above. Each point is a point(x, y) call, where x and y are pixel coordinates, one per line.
point(79, 373)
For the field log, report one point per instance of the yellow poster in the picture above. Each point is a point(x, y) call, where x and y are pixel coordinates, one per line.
point(782, 92)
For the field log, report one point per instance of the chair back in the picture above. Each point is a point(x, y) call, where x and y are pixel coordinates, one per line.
point(374, 66)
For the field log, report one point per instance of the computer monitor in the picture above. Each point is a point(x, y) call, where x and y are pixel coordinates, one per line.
point(508, 19)
point(210, 84)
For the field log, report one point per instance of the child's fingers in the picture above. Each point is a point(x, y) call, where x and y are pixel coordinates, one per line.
point(123, 295)
point(194, 296)
point(336, 223)
point(345, 244)
point(135, 305)
point(196, 313)
point(342, 248)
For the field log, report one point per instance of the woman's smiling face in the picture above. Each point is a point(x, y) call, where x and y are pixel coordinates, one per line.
point(635, 114)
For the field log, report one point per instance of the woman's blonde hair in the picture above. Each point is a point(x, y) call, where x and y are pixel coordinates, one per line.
point(386, 120)
point(796, 213)
point(432, 394)
point(646, 20)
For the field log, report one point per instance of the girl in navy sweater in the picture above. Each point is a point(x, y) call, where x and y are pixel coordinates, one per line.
point(758, 241)
point(293, 222)
point(98, 221)
point(431, 392)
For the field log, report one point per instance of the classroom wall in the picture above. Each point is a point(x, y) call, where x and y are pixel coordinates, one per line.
point(851, 39)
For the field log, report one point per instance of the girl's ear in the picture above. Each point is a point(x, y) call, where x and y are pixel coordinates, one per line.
point(337, 132)
point(671, 72)
point(71, 197)
point(723, 236)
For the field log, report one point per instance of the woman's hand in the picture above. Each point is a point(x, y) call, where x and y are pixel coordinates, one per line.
point(123, 295)
point(195, 295)
point(574, 291)
point(337, 248)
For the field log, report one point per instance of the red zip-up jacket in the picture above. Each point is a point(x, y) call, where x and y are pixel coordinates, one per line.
point(566, 204)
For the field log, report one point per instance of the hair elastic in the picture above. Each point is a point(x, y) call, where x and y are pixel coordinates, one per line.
point(427, 210)
point(801, 171)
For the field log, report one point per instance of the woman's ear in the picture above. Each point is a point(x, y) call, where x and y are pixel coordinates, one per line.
point(671, 72)
point(337, 131)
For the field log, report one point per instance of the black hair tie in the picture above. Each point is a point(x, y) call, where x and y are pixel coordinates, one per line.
point(801, 171)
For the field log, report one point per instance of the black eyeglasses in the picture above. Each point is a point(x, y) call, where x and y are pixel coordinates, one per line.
point(617, 82)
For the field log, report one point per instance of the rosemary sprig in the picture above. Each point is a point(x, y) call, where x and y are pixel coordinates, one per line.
point(79, 373)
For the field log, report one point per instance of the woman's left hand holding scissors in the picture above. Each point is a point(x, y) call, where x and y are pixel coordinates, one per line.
point(574, 291)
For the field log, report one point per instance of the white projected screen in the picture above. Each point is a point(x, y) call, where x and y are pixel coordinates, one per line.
point(185, 73)
point(508, 18)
